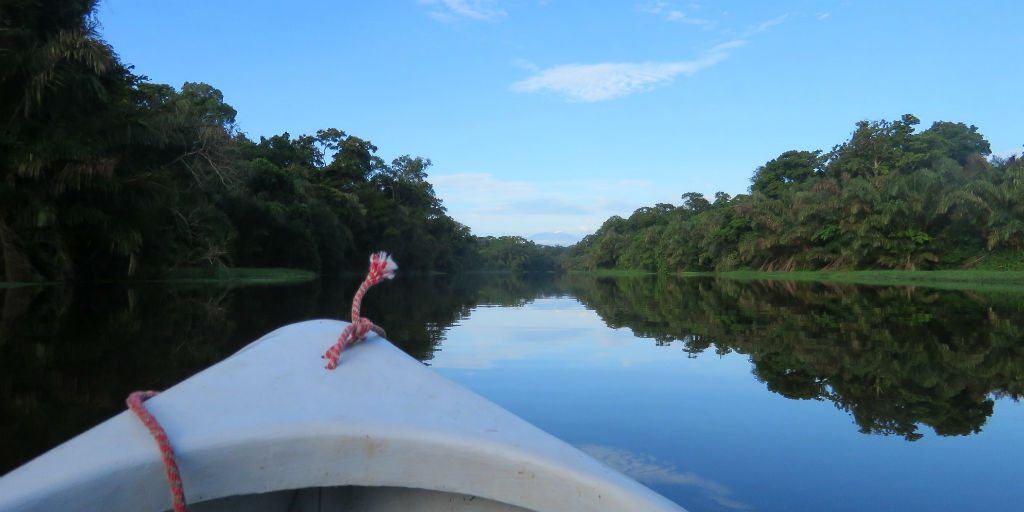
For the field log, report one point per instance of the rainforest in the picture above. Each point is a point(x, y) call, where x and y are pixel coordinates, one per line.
point(888, 198)
point(107, 175)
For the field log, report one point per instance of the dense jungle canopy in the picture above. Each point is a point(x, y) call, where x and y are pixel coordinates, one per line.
point(887, 198)
point(104, 174)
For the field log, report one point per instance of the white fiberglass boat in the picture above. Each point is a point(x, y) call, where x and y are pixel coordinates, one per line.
point(269, 429)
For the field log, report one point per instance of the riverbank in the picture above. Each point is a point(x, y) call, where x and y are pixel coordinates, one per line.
point(607, 272)
point(986, 280)
point(232, 276)
point(20, 284)
point(241, 275)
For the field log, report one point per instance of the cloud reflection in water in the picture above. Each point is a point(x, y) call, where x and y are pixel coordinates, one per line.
point(649, 470)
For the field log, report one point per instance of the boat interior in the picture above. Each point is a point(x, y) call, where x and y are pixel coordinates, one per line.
point(354, 499)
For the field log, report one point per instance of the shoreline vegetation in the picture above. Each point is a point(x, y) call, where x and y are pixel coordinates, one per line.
point(888, 198)
point(107, 176)
point(196, 275)
point(995, 281)
point(611, 272)
point(979, 280)
point(140, 179)
point(233, 275)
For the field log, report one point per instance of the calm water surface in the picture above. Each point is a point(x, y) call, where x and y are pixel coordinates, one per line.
point(718, 394)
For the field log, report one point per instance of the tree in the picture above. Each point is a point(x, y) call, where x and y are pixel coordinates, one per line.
point(208, 103)
point(954, 140)
point(876, 148)
point(791, 167)
point(60, 88)
point(694, 202)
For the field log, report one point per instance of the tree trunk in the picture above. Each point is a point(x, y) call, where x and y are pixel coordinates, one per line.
point(16, 302)
point(15, 262)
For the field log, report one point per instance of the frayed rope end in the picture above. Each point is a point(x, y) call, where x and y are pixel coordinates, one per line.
point(382, 266)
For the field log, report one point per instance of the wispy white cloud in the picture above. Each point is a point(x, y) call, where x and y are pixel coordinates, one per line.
point(525, 65)
point(767, 24)
point(492, 206)
point(608, 80)
point(753, 30)
point(649, 470)
point(481, 185)
point(548, 206)
point(727, 46)
point(450, 10)
point(822, 16)
point(670, 12)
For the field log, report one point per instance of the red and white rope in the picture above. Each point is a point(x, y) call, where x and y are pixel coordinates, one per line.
point(135, 403)
point(381, 267)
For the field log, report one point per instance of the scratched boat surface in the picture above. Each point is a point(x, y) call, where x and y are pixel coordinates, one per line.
point(269, 429)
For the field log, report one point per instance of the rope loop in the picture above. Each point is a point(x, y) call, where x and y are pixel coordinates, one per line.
point(135, 403)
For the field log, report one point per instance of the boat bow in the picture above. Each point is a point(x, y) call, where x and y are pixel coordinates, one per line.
point(270, 418)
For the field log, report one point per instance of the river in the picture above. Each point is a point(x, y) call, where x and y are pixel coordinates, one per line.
point(721, 395)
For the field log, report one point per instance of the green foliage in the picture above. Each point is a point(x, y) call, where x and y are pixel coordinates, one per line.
point(1003, 261)
point(516, 254)
point(826, 233)
point(239, 276)
point(790, 167)
point(1004, 275)
point(888, 198)
point(104, 174)
point(324, 202)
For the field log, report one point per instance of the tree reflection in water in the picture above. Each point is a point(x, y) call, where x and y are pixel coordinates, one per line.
point(70, 356)
point(895, 358)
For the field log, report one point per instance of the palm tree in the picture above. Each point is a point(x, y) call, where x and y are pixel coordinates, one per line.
point(50, 52)
point(56, 76)
point(1005, 225)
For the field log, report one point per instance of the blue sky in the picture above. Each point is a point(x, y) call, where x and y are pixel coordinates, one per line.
point(552, 115)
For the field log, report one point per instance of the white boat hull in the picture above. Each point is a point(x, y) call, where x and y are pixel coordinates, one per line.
point(270, 429)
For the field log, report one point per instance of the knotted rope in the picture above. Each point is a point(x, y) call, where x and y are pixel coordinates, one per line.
point(381, 267)
point(166, 451)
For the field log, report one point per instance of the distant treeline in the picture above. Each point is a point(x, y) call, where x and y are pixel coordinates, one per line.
point(104, 174)
point(888, 198)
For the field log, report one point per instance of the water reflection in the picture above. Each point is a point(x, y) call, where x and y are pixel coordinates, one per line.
point(69, 356)
point(893, 358)
point(651, 471)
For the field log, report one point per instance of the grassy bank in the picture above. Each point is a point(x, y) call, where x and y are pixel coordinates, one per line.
point(999, 260)
point(608, 272)
point(991, 280)
point(239, 275)
point(18, 284)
